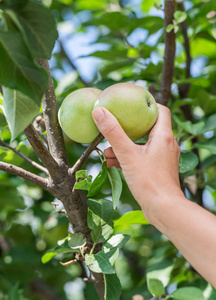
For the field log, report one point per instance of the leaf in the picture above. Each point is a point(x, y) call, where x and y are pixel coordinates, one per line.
point(169, 27)
point(161, 269)
point(117, 241)
point(155, 287)
point(49, 255)
point(130, 218)
point(99, 181)
point(100, 214)
point(20, 110)
point(102, 262)
point(112, 287)
point(187, 161)
point(13, 4)
point(83, 185)
point(18, 70)
point(209, 145)
point(187, 293)
point(210, 123)
point(76, 240)
point(116, 184)
point(81, 174)
point(195, 129)
point(180, 16)
point(38, 27)
point(147, 4)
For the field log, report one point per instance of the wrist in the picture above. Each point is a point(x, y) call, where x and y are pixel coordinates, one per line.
point(160, 207)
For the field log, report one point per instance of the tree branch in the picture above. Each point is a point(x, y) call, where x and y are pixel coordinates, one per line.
point(33, 163)
point(42, 151)
point(183, 88)
point(38, 124)
point(53, 129)
point(9, 168)
point(86, 154)
point(72, 64)
point(169, 55)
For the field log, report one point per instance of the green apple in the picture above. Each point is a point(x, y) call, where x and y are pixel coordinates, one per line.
point(133, 106)
point(75, 115)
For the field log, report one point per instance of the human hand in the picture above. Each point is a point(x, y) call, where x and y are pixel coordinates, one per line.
point(150, 170)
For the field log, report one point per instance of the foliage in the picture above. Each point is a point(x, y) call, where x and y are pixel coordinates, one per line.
point(127, 45)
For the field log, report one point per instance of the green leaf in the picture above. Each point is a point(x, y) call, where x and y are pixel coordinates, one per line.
point(49, 255)
point(116, 184)
point(187, 293)
point(195, 129)
point(81, 174)
point(99, 181)
point(155, 287)
point(38, 27)
point(20, 110)
point(76, 240)
point(102, 262)
point(180, 16)
point(83, 185)
point(147, 4)
point(210, 123)
point(201, 46)
point(18, 70)
point(13, 4)
point(209, 145)
point(130, 218)
point(187, 161)
point(112, 287)
point(117, 240)
point(150, 23)
point(169, 27)
point(100, 214)
point(110, 54)
point(161, 269)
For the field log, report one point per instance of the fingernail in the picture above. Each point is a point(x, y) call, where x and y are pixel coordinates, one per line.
point(98, 114)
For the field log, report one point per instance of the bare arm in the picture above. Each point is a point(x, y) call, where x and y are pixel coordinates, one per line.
point(151, 172)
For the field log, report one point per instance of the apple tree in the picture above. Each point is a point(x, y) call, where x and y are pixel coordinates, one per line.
point(70, 228)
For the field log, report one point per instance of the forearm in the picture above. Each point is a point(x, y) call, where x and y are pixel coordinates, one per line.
point(192, 230)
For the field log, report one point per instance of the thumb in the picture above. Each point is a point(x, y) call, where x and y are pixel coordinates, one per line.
point(110, 128)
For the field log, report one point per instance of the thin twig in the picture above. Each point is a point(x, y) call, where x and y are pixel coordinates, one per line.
point(53, 129)
point(33, 163)
point(71, 63)
point(26, 175)
point(169, 55)
point(86, 154)
point(42, 152)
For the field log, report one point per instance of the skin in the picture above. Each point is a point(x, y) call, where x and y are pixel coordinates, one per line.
point(133, 106)
point(75, 115)
point(151, 172)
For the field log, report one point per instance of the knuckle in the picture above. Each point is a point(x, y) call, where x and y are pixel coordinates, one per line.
point(168, 136)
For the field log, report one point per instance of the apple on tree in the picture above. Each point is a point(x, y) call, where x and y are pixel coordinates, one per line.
point(75, 115)
point(133, 106)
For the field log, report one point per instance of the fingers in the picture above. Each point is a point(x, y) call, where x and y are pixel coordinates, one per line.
point(109, 153)
point(113, 162)
point(113, 132)
point(111, 158)
point(163, 127)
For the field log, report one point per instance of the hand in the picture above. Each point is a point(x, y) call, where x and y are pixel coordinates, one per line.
point(150, 170)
